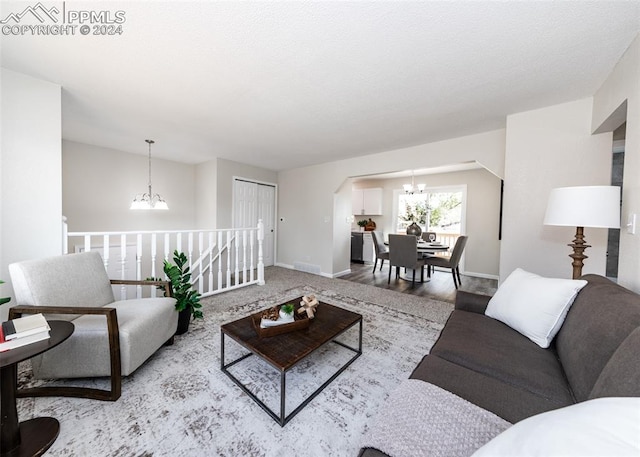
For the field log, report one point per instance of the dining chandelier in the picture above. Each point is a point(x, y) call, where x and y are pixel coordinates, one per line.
point(149, 200)
point(410, 188)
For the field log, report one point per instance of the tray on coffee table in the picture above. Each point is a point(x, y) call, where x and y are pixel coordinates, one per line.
point(287, 350)
point(301, 321)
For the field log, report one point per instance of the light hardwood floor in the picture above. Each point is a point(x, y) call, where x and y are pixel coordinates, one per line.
point(440, 286)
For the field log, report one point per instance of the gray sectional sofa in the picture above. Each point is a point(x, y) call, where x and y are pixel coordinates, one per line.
point(595, 354)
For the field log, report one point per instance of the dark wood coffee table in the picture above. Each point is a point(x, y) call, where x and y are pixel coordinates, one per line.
point(284, 351)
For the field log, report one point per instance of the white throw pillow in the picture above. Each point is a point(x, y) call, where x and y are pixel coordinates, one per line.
point(533, 305)
point(600, 427)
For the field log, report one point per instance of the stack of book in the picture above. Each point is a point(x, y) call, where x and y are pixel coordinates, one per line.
point(23, 331)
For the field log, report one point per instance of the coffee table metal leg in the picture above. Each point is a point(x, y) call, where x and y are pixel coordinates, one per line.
point(283, 419)
point(283, 395)
point(224, 367)
point(359, 350)
point(222, 350)
point(330, 380)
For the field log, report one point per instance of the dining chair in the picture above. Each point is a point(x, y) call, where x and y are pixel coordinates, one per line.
point(425, 236)
point(381, 250)
point(451, 261)
point(403, 252)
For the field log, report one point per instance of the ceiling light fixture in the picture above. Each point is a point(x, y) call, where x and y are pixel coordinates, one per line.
point(149, 200)
point(410, 188)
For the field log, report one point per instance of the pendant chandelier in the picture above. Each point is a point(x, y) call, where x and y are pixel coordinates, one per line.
point(149, 200)
point(411, 188)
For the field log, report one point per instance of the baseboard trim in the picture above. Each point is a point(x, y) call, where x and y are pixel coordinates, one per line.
point(480, 275)
point(472, 274)
point(324, 275)
point(340, 273)
point(348, 271)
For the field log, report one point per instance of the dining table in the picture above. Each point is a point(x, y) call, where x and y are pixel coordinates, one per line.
point(426, 247)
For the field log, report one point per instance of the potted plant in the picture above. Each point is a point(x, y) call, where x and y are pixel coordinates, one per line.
point(187, 299)
point(5, 299)
point(362, 224)
point(286, 312)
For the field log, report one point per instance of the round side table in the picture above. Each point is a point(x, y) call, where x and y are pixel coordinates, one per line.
point(34, 436)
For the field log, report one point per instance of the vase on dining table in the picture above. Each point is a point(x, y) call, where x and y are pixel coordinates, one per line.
point(414, 229)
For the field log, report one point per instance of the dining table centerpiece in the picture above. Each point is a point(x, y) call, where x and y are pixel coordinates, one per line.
point(414, 229)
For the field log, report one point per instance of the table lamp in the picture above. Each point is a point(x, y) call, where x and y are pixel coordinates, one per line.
point(580, 207)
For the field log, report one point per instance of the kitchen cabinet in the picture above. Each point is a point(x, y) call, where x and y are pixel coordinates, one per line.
point(362, 247)
point(368, 255)
point(367, 202)
point(356, 247)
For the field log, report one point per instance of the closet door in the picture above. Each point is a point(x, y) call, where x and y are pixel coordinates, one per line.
point(252, 202)
point(245, 204)
point(266, 212)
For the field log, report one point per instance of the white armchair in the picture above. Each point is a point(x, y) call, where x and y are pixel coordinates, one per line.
point(111, 338)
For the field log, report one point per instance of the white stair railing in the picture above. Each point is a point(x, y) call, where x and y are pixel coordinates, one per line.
point(141, 254)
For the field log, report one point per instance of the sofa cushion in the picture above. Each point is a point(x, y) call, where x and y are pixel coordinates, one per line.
point(492, 348)
point(603, 315)
point(468, 301)
point(621, 375)
point(533, 305)
point(606, 426)
point(510, 402)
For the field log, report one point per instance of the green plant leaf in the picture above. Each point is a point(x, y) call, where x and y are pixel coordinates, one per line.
point(4, 299)
point(180, 277)
point(288, 308)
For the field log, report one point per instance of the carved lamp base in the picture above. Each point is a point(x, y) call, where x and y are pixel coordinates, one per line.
point(578, 256)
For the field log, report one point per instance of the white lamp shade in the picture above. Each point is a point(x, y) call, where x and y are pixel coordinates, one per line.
point(584, 206)
point(136, 204)
point(161, 204)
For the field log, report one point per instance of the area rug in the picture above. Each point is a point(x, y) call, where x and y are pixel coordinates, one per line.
point(180, 403)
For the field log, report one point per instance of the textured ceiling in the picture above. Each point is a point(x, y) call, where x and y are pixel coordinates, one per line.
point(287, 84)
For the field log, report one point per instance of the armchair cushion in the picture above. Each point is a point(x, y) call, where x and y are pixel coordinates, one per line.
point(144, 325)
point(68, 280)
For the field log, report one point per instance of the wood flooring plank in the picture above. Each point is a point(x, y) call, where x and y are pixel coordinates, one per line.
point(440, 287)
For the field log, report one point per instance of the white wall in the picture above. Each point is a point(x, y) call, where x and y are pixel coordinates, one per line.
point(623, 84)
point(482, 253)
point(206, 194)
point(30, 172)
point(226, 170)
point(317, 206)
point(548, 148)
point(98, 185)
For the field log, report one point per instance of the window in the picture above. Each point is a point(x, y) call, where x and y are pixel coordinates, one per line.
point(438, 210)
